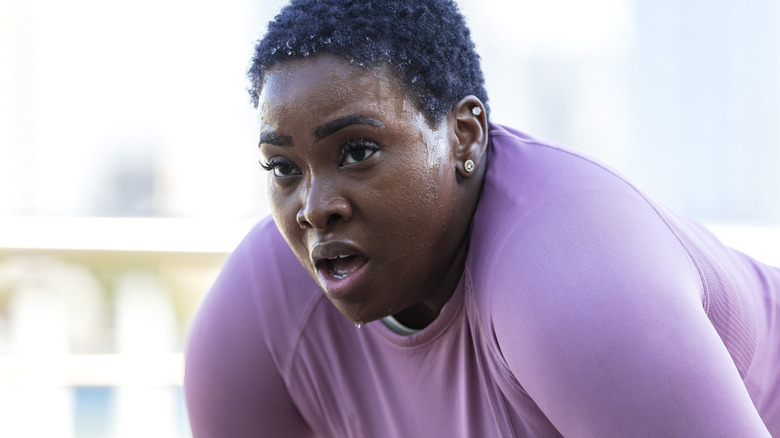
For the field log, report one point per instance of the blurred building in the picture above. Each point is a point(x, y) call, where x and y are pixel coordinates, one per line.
point(682, 97)
point(705, 104)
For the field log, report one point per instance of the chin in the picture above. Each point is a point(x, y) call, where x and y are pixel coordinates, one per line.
point(357, 312)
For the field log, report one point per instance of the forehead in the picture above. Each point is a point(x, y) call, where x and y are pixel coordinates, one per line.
point(328, 83)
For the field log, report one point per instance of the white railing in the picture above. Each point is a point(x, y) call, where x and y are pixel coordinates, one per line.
point(197, 236)
point(98, 307)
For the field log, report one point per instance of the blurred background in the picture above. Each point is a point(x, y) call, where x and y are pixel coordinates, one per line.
point(128, 165)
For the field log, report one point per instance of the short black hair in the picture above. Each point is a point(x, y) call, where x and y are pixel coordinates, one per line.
point(426, 42)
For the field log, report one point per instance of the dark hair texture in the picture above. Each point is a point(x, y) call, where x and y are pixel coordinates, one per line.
point(425, 41)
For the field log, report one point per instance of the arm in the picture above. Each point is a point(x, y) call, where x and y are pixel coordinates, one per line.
point(232, 385)
point(602, 324)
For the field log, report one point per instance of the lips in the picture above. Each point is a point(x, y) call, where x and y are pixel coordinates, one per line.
point(339, 265)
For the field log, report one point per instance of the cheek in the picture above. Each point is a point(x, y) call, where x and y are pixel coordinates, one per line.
point(435, 192)
point(436, 180)
point(418, 200)
point(277, 203)
point(284, 213)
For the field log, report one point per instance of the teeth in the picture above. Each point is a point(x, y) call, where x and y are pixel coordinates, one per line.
point(340, 270)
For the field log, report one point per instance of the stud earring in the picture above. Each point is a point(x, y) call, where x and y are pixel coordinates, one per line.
point(468, 165)
point(476, 111)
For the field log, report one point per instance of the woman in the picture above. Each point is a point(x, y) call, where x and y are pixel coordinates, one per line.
point(507, 287)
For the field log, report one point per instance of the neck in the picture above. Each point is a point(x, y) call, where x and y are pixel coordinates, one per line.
point(422, 314)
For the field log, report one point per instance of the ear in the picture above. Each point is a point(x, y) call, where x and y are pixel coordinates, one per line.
point(472, 134)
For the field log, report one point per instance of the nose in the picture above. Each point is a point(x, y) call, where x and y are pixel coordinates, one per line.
point(323, 206)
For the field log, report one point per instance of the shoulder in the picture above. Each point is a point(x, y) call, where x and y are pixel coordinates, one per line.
point(562, 235)
point(561, 232)
point(542, 201)
point(585, 286)
point(241, 336)
point(262, 291)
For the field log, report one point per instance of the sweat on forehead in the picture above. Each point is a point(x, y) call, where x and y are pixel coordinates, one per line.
point(345, 93)
point(426, 42)
point(331, 77)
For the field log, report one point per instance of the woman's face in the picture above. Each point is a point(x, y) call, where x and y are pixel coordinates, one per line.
point(362, 188)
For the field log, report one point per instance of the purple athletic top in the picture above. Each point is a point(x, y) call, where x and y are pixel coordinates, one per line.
point(585, 309)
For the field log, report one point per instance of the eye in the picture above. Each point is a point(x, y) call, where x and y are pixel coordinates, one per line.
point(355, 151)
point(281, 167)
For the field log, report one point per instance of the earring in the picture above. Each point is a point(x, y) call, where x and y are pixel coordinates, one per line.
point(476, 111)
point(468, 165)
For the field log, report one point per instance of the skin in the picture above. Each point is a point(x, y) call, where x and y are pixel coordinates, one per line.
point(381, 182)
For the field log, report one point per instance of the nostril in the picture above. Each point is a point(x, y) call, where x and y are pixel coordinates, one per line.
point(320, 213)
point(302, 221)
point(333, 218)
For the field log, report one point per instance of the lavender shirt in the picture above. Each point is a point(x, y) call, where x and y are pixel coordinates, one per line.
point(585, 309)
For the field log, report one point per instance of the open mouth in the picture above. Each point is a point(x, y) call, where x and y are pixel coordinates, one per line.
point(341, 266)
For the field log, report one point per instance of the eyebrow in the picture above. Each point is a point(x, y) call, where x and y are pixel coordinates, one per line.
point(275, 139)
point(333, 126)
point(321, 131)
